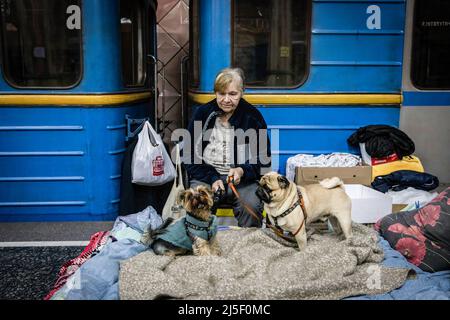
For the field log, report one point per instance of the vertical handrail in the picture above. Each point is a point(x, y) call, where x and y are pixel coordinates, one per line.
point(183, 92)
point(155, 94)
point(163, 100)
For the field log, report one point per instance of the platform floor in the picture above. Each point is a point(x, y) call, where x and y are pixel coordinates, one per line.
point(31, 254)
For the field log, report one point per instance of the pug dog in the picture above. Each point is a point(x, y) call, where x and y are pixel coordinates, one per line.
point(283, 205)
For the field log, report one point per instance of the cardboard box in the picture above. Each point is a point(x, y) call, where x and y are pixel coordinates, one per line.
point(368, 205)
point(350, 175)
point(397, 207)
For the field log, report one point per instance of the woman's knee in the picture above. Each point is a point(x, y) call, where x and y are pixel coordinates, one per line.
point(196, 183)
point(248, 195)
point(249, 201)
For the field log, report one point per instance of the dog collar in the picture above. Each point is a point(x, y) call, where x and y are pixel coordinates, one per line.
point(195, 227)
point(197, 223)
point(182, 234)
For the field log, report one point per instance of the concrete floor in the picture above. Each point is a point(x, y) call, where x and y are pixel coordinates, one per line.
point(28, 265)
point(30, 273)
point(51, 231)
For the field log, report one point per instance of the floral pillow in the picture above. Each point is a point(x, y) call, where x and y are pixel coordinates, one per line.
point(421, 235)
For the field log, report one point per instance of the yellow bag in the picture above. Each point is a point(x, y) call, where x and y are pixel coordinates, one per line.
point(407, 163)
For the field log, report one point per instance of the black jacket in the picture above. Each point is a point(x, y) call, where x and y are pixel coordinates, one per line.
point(244, 117)
point(402, 179)
point(382, 141)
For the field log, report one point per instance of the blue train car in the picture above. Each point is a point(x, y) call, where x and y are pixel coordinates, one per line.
point(71, 71)
point(320, 69)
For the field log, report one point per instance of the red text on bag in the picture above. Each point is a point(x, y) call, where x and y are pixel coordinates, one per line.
point(390, 158)
point(158, 166)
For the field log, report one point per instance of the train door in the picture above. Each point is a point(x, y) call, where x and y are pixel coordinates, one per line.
point(138, 46)
point(425, 113)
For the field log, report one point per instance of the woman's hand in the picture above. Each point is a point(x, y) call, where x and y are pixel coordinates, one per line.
point(218, 184)
point(237, 174)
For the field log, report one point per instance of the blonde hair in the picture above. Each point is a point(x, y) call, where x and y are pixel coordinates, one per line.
point(227, 76)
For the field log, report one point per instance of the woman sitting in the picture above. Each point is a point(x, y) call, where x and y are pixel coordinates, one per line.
point(230, 142)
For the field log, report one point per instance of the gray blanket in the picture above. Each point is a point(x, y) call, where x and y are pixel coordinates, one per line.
point(254, 265)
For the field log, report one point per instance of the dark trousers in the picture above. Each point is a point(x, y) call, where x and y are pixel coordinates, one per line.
point(247, 192)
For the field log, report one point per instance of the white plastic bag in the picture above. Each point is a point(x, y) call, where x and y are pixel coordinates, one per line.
point(151, 164)
point(173, 209)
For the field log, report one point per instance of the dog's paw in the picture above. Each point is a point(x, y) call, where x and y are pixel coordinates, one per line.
point(146, 238)
point(195, 250)
point(215, 251)
point(198, 245)
point(215, 248)
point(201, 247)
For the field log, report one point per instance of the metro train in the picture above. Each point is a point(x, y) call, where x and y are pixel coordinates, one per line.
point(75, 72)
point(72, 72)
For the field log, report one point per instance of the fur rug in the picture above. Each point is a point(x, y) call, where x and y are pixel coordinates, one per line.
point(254, 265)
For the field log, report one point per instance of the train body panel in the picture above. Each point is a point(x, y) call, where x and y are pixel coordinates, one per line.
point(62, 146)
point(62, 163)
point(319, 129)
point(345, 55)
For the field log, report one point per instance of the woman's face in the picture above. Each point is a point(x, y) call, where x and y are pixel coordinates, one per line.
point(229, 99)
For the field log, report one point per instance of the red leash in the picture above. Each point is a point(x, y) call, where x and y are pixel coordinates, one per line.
point(278, 232)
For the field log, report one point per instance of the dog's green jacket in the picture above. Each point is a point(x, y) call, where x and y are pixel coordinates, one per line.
point(177, 234)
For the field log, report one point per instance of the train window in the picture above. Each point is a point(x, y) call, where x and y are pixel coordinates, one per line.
point(133, 34)
point(41, 43)
point(430, 67)
point(271, 41)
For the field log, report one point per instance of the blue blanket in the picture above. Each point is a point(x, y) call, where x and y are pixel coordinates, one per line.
point(424, 286)
point(98, 278)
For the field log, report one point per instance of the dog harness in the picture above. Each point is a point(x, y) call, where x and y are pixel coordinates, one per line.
point(300, 203)
point(277, 230)
point(185, 230)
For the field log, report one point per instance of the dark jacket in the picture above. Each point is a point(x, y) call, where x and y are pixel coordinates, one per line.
point(244, 117)
point(402, 179)
point(382, 141)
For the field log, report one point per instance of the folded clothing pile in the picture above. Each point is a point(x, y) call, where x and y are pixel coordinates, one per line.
point(382, 141)
point(390, 153)
point(335, 159)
